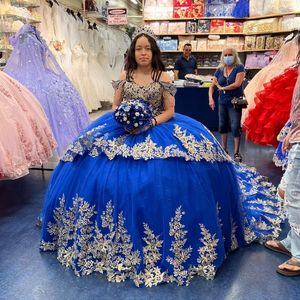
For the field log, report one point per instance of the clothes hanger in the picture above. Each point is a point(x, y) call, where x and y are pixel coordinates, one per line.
point(291, 36)
point(95, 26)
point(73, 15)
point(50, 3)
point(90, 26)
point(80, 16)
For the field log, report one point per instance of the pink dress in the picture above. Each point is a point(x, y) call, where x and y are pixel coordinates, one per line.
point(25, 136)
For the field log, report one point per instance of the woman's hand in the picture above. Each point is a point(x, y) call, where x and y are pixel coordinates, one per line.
point(286, 143)
point(140, 130)
point(211, 103)
point(218, 86)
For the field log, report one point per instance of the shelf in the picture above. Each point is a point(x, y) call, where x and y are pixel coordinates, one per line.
point(269, 32)
point(180, 51)
point(217, 51)
point(207, 68)
point(23, 19)
point(24, 4)
point(211, 68)
point(225, 33)
point(5, 49)
point(193, 19)
point(201, 33)
point(222, 18)
point(273, 16)
point(259, 50)
point(6, 32)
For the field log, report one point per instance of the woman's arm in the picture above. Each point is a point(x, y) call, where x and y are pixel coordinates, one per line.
point(238, 82)
point(211, 101)
point(176, 74)
point(118, 92)
point(169, 103)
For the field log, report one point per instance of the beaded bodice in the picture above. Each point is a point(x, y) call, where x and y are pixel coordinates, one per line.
point(153, 92)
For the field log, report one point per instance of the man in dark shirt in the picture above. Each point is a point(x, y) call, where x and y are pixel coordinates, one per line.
point(185, 64)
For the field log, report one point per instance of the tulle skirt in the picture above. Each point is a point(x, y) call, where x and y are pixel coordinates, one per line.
point(161, 206)
point(272, 109)
point(25, 136)
point(62, 104)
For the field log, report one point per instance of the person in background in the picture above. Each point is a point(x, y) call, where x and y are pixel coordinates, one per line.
point(228, 79)
point(291, 244)
point(185, 63)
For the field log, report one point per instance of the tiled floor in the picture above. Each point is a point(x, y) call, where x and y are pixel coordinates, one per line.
point(25, 273)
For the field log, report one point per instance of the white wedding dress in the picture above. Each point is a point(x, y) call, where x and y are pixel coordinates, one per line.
point(90, 58)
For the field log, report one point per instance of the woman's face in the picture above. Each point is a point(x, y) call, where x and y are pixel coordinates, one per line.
point(143, 52)
point(228, 52)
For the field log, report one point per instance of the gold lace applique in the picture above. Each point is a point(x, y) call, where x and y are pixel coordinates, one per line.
point(152, 275)
point(81, 144)
point(207, 254)
point(199, 150)
point(195, 150)
point(111, 252)
point(181, 253)
point(88, 247)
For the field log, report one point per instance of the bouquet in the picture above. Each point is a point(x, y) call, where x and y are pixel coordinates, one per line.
point(133, 114)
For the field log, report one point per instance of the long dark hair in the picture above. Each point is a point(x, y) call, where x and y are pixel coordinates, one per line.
point(157, 64)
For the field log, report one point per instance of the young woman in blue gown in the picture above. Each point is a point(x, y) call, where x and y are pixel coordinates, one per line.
point(163, 203)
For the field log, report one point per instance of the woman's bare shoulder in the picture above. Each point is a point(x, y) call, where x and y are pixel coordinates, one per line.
point(122, 75)
point(165, 77)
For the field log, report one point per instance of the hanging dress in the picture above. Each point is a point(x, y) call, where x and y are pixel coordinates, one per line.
point(285, 58)
point(272, 109)
point(26, 139)
point(33, 64)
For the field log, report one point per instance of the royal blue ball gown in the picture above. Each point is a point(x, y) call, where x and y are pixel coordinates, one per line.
point(164, 205)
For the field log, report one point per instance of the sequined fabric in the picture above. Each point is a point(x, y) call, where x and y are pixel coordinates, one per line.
point(152, 92)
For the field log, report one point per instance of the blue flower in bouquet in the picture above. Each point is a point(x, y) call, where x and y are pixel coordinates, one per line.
point(133, 114)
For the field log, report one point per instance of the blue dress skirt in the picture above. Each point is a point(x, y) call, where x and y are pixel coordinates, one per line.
point(161, 206)
point(279, 158)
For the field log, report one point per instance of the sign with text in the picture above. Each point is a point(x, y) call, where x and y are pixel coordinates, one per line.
point(117, 16)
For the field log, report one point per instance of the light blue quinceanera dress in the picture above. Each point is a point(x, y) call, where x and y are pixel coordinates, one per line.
point(161, 206)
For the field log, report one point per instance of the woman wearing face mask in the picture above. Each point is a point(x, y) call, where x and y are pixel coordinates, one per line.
point(228, 79)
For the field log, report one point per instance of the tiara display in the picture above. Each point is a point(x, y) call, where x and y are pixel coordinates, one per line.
point(143, 30)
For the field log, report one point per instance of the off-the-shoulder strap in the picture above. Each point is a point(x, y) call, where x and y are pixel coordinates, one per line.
point(118, 84)
point(168, 87)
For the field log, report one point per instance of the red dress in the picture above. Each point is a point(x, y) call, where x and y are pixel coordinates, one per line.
point(272, 109)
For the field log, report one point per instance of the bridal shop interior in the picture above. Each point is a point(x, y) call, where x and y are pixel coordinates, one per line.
point(61, 145)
